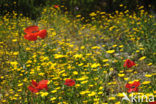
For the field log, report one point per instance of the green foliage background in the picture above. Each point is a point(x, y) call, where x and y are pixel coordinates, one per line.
point(32, 8)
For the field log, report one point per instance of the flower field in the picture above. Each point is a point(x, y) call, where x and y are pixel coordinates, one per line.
point(57, 59)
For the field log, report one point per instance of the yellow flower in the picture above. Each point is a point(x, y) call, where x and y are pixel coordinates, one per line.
point(126, 79)
point(75, 73)
point(78, 56)
point(121, 75)
point(105, 72)
point(146, 82)
point(121, 5)
point(141, 7)
point(120, 94)
point(114, 46)
point(14, 63)
point(95, 47)
point(149, 94)
point(121, 46)
point(14, 40)
point(137, 51)
point(3, 101)
point(153, 73)
point(96, 99)
point(149, 64)
point(57, 56)
point(105, 60)
point(130, 82)
point(118, 102)
point(141, 48)
point(92, 93)
point(28, 49)
point(53, 91)
point(43, 94)
point(58, 88)
point(41, 74)
point(2, 77)
point(100, 93)
point(142, 58)
point(53, 33)
point(78, 16)
point(111, 69)
point(109, 83)
point(130, 70)
point(100, 88)
point(135, 72)
point(16, 95)
point(83, 82)
point(111, 98)
point(93, 14)
point(90, 85)
point(94, 69)
point(82, 78)
point(20, 84)
point(82, 92)
point(19, 90)
point(121, 50)
point(95, 65)
point(53, 98)
point(148, 75)
point(85, 102)
point(103, 45)
point(80, 64)
point(82, 47)
point(110, 51)
point(114, 83)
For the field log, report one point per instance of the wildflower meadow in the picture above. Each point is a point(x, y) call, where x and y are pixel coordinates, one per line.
point(107, 58)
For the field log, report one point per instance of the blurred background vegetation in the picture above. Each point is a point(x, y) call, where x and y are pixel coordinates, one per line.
point(33, 8)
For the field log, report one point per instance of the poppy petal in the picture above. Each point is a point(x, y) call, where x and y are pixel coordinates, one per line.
point(34, 83)
point(136, 89)
point(42, 34)
point(124, 64)
point(130, 90)
point(133, 63)
point(69, 82)
point(43, 85)
point(31, 37)
point(32, 89)
point(56, 6)
point(133, 87)
point(31, 29)
point(43, 82)
point(136, 83)
point(129, 63)
point(128, 85)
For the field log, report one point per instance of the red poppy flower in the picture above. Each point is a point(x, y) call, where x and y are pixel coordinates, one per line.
point(32, 32)
point(31, 37)
point(133, 87)
point(56, 6)
point(42, 33)
point(152, 102)
point(43, 84)
point(129, 63)
point(69, 82)
point(31, 29)
point(35, 87)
